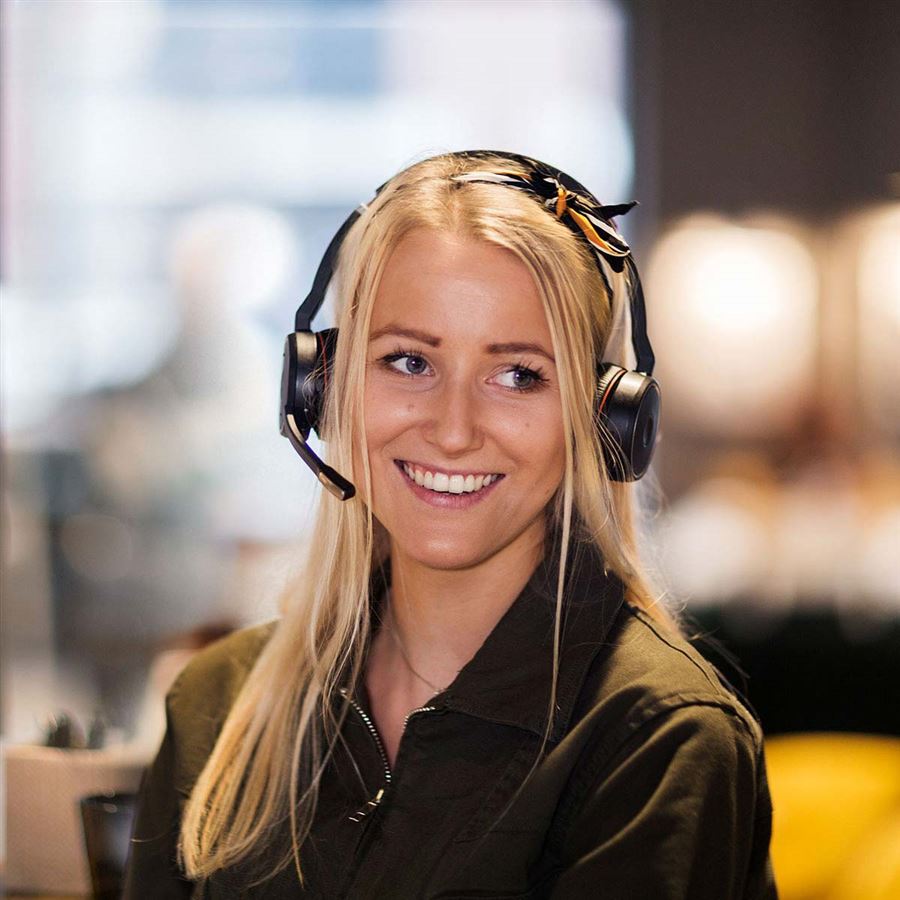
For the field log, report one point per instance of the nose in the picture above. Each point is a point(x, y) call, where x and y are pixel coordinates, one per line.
point(455, 424)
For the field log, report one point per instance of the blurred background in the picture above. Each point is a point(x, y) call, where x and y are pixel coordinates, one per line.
point(172, 171)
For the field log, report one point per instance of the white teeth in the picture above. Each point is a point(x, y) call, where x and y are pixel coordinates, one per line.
point(452, 484)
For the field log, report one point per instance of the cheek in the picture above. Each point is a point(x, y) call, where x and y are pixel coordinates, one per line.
point(539, 433)
point(537, 442)
point(549, 447)
point(386, 416)
point(555, 465)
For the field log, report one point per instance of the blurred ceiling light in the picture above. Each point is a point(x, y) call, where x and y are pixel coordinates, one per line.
point(878, 289)
point(232, 257)
point(733, 316)
point(98, 547)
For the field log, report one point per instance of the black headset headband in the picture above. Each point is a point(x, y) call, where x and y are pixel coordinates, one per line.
point(539, 173)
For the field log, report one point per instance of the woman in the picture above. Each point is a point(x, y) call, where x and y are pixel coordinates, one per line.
point(473, 690)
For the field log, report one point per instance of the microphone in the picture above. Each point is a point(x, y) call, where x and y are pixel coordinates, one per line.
point(332, 481)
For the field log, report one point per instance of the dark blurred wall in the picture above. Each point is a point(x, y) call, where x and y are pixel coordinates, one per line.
point(791, 104)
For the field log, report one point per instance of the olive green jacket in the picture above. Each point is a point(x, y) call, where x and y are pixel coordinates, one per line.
point(652, 785)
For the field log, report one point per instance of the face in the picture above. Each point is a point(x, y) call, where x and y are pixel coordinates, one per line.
point(463, 411)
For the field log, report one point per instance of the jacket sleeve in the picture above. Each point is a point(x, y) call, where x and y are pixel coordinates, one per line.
point(680, 810)
point(152, 872)
point(196, 707)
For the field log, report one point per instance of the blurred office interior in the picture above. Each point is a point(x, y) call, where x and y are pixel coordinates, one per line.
point(171, 173)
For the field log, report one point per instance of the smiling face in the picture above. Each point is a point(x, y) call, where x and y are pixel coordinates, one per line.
point(462, 397)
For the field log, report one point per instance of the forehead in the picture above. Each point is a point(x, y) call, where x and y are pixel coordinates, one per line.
point(434, 280)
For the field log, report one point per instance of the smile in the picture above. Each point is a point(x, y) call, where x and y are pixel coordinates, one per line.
point(445, 483)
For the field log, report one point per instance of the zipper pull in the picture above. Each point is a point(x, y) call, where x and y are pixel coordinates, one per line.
point(370, 806)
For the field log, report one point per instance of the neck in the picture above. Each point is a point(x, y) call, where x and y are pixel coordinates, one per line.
point(441, 617)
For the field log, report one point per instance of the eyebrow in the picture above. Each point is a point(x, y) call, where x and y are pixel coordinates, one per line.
point(432, 341)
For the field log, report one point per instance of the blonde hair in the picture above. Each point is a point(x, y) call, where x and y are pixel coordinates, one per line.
point(265, 768)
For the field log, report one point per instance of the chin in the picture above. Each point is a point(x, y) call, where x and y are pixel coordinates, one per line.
point(443, 554)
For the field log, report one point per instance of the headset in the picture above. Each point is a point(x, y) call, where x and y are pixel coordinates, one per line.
point(627, 403)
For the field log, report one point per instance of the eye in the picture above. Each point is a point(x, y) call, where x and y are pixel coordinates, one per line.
point(522, 378)
point(405, 363)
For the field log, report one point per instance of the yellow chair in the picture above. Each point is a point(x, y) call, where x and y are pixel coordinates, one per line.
point(836, 826)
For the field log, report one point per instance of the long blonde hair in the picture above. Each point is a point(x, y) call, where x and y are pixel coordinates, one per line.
point(266, 765)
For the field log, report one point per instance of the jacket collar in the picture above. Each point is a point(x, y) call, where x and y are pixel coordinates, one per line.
point(508, 680)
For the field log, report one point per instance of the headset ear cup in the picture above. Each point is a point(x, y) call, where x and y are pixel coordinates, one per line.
point(628, 406)
point(318, 383)
point(305, 376)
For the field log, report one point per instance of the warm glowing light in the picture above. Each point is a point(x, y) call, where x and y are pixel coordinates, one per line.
point(879, 263)
point(878, 291)
point(733, 314)
point(879, 574)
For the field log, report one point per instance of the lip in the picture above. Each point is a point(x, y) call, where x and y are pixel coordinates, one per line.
point(447, 500)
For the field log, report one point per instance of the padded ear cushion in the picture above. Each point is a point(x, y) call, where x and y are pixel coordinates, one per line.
point(305, 376)
point(628, 406)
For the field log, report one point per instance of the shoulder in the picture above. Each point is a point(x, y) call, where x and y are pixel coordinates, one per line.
point(664, 754)
point(646, 679)
point(202, 696)
point(219, 669)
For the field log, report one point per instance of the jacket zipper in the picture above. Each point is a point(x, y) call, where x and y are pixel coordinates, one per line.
point(372, 805)
point(375, 736)
point(363, 817)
